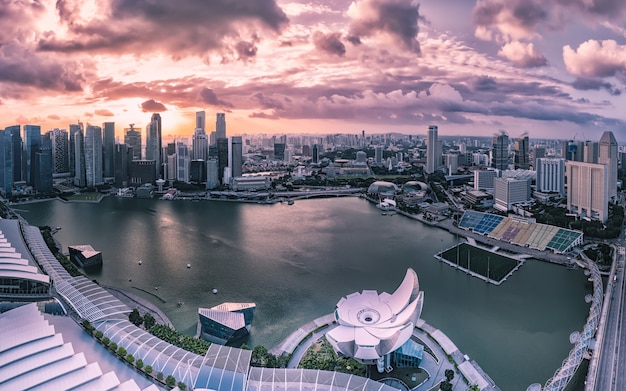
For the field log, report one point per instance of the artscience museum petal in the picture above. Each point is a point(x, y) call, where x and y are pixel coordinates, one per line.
point(372, 325)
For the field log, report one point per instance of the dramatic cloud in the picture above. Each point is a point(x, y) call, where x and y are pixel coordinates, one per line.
point(523, 55)
point(507, 20)
point(207, 96)
point(596, 59)
point(16, 18)
point(595, 84)
point(104, 113)
point(22, 66)
point(54, 117)
point(329, 43)
point(179, 28)
point(396, 18)
point(245, 50)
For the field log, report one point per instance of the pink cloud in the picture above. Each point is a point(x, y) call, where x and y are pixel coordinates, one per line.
point(596, 59)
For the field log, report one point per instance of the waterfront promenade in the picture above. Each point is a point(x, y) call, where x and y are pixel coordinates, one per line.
point(441, 354)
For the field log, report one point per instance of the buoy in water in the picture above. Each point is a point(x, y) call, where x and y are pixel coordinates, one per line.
point(214, 291)
point(188, 265)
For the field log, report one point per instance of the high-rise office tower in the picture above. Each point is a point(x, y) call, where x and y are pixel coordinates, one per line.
point(74, 128)
point(199, 145)
point(279, 151)
point(522, 152)
point(378, 155)
point(153, 142)
point(220, 126)
point(510, 191)
point(237, 156)
point(6, 162)
point(316, 153)
point(108, 141)
point(607, 154)
point(500, 151)
point(212, 177)
point(93, 155)
point(132, 138)
point(60, 151)
point(43, 166)
point(588, 189)
point(432, 150)
point(222, 158)
point(32, 143)
point(79, 159)
point(182, 162)
point(551, 175)
point(16, 151)
point(201, 121)
point(590, 154)
point(122, 158)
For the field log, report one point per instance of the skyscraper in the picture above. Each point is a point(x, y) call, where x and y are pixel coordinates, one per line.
point(522, 152)
point(222, 158)
point(79, 157)
point(132, 138)
point(182, 162)
point(220, 126)
point(74, 128)
point(43, 166)
point(16, 151)
point(587, 190)
point(236, 160)
point(32, 143)
point(6, 162)
point(500, 151)
point(551, 175)
point(108, 142)
point(432, 150)
point(153, 142)
point(199, 145)
point(93, 155)
point(316, 153)
point(607, 154)
point(201, 121)
point(60, 151)
point(121, 165)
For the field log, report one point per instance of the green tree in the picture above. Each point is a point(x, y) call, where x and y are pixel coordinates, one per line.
point(148, 369)
point(121, 352)
point(130, 358)
point(170, 381)
point(106, 341)
point(99, 335)
point(449, 374)
point(148, 321)
point(445, 386)
point(135, 318)
point(182, 386)
point(139, 364)
point(159, 376)
point(113, 346)
point(474, 387)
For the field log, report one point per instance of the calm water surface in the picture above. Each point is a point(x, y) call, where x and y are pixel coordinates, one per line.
point(296, 261)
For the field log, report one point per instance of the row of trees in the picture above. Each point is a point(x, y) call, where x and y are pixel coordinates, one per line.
point(123, 354)
point(46, 232)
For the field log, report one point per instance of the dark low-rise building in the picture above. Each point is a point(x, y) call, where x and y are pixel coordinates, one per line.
point(226, 322)
point(85, 255)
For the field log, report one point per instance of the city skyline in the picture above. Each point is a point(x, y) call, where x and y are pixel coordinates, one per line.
point(551, 69)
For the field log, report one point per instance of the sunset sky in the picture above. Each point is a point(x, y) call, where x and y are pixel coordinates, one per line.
point(554, 68)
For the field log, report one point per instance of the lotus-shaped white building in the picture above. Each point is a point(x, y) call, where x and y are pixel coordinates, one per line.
point(372, 325)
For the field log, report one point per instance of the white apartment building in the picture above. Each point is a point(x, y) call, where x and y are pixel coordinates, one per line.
point(551, 175)
point(588, 190)
point(509, 191)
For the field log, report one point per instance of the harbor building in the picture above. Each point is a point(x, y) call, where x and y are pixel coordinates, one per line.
point(85, 255)
point(226, 322)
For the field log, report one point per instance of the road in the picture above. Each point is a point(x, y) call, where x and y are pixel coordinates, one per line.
point(613, 354)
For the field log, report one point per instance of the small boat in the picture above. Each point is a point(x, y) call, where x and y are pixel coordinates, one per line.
point(139, 262)
point(156, 288)
point(180, 303)
point(214, 291)
point(188, 265)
